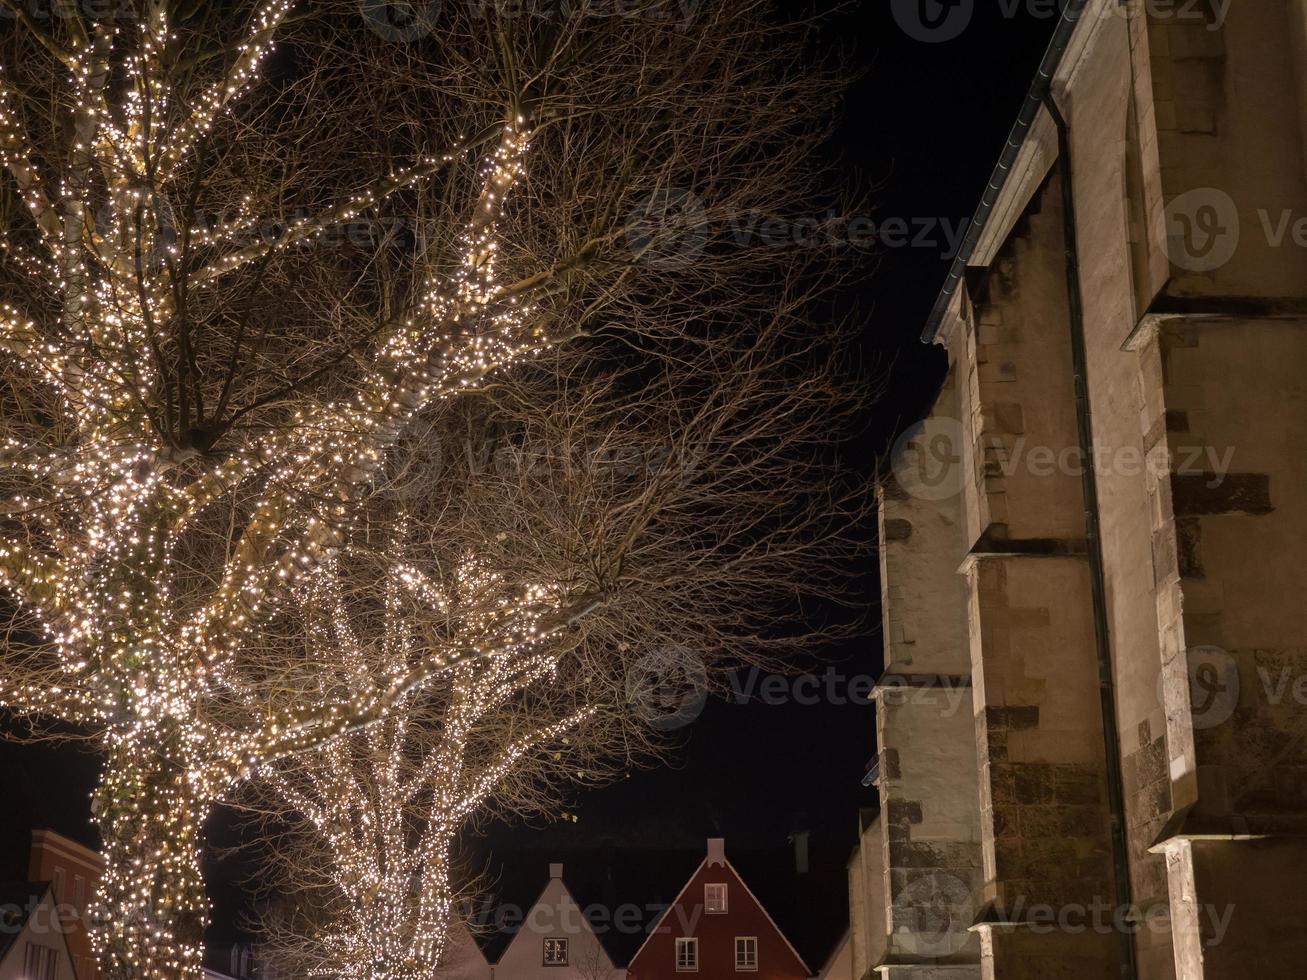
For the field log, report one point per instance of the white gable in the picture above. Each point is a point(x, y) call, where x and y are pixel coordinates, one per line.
point(462, 959)
point(555, 915)
point(41, 929)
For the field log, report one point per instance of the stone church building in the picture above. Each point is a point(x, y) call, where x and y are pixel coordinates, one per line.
point(1092, 724)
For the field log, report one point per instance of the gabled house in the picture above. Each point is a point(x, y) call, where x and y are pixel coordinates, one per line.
point(555, 941)
point(462, 959)
point(716, 928)
point(839, 965)
point(33, 938)
point(74, 872)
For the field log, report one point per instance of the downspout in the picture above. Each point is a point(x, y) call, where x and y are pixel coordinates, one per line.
point(1094, 541)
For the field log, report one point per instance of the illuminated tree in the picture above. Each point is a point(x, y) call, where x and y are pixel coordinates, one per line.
point(207, 361)
point(640, 523)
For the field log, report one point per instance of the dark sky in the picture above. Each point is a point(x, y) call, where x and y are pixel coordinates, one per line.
point(921, 131)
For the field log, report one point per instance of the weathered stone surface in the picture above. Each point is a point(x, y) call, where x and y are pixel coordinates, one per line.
point(1195, 371)
point(897, 529)
point(1195, 494)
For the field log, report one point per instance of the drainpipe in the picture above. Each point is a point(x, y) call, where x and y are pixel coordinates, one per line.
point(1093, 536)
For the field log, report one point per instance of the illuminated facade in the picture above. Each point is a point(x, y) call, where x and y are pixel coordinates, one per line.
point(1090, 727)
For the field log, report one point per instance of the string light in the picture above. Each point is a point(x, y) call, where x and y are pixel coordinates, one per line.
point(103, 502)
point(388, 802)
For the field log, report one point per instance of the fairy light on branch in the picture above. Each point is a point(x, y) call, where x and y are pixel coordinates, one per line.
point(387, 804)
point(100, 495)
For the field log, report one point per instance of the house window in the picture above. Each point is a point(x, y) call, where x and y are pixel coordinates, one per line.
point(58, 884)
point(555, 951)
point(714, 898)
point(40, 962)
point(79, 893)
point(687, 955)
point(746, 952)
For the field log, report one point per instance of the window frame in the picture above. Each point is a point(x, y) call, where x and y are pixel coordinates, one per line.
point(40, 962)
point(726, 898)
point(753, 940)
point(690, 943)
point(564, 945)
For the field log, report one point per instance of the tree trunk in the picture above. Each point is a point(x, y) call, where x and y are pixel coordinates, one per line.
point(152, 915)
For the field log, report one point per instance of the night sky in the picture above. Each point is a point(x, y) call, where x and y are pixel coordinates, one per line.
point(920, 132)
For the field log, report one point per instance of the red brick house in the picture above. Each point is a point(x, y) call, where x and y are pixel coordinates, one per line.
point(74, 874)
point(717, 929)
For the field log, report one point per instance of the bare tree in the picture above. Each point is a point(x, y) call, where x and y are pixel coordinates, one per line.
point(593, 962)
point(199, 390)
point(676, 527)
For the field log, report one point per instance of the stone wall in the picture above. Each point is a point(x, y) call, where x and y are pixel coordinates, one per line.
point(1188, 128)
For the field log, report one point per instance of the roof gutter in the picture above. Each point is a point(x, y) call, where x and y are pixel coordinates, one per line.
point(1039, 88)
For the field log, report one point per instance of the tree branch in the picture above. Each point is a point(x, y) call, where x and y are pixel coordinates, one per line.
point(298, 733)
point(46, 41)
point(15, 156)
point(346, 210)
point(252, 51)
